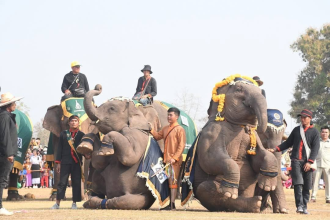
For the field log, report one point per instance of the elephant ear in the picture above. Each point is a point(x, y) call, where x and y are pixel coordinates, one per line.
point(52, 120)
point(136, 119)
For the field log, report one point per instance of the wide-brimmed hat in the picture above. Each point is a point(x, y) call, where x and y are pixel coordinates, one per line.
point(146, 68)
point(305, 113)
point(258, 80)
point(8, 98)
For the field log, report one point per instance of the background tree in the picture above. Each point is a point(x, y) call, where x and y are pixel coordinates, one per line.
point(23, 107)
point(40, 132)
point(191, 104)
point(312, 88)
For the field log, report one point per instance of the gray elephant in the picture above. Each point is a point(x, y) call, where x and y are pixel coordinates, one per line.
point(271, 138)
point(117, 157)
point(228, 158)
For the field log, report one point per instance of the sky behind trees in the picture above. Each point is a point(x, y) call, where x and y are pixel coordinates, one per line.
point(189, 44)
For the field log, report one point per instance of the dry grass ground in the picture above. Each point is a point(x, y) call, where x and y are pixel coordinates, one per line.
point(40, 209)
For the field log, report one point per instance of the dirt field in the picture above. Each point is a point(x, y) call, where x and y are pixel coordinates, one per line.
point(40, 209)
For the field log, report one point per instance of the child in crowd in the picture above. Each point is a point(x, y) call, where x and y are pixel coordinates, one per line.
point(44, 172)
point(27, 166)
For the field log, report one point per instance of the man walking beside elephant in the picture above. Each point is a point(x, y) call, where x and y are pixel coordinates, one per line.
point(175, 140)
point(305, 140)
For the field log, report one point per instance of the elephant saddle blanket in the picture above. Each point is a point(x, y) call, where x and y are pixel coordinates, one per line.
point(189, 174)
point(158, 187)
point(74, 106)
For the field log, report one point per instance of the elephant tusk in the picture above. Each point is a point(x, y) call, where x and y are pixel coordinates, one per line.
point(97, 121)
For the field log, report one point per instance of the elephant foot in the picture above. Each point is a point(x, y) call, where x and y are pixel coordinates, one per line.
point(208, 193)
point(253, 204)
point(267, 183)
point(93, 203)
point(284, 211)
point(14, 197)
point(229, 190)
point(85, 148)
point(106, 151)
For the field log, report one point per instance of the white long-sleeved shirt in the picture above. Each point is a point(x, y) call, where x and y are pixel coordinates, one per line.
point(323, 157)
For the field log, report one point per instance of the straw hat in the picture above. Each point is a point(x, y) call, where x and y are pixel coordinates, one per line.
point(8, 98)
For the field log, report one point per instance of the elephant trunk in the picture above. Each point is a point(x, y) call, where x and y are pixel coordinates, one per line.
point(88, 102)
point(259, 105)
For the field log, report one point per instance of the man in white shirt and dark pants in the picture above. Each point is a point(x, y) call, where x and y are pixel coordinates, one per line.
point(323, 165)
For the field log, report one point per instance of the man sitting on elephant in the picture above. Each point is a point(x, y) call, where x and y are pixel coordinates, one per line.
point(175, 141)
point(74, 84)
point(146, 88)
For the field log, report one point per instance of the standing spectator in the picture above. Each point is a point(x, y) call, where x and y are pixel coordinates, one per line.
point(300, 163)
point(36, 167)
point(68, 162)
point(8, 142)
point(27, 166)
point(50, 179)
point(323, 165)
point(44, 172)
point(37, 142)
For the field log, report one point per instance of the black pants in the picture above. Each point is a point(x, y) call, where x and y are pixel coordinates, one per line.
point(5, 168)
point(302, 182)
point(75, 171)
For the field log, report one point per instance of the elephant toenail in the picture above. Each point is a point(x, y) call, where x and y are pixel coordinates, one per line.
point(273, 188)
point(267, 188)
point(228, 194)
point(234, 196)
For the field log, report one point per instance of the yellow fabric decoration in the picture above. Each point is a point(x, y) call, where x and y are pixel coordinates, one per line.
point(221, 97)
point(253, 142)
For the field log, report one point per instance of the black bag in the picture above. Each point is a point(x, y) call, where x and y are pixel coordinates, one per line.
point(139, 95)
point(79, 92)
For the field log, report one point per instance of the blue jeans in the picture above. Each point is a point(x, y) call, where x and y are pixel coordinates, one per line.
point(145, 101)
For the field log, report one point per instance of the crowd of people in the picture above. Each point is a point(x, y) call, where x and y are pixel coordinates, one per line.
point(36, 172)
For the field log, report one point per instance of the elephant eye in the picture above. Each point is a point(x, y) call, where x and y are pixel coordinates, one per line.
point(239, 89)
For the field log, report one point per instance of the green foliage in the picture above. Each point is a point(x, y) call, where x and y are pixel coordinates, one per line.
point(312, 90)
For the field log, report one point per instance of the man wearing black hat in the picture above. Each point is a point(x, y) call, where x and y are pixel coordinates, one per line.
point(305, 142)
point(68, 162)
point(146, 88)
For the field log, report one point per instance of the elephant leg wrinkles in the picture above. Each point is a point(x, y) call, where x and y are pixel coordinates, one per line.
point(222, 164)
point(126, 148)
point(265, 163)
point(208, 194)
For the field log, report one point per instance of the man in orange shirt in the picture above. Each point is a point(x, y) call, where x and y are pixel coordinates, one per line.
point(175, 140)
